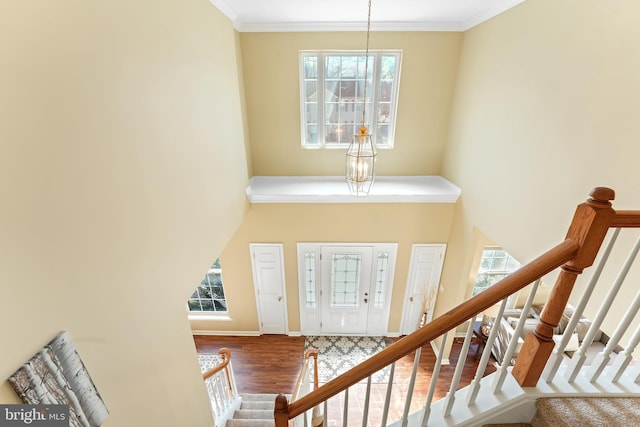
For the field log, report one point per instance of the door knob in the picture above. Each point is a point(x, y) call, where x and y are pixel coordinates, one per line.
point(279, 298)
point(366, 300)
point(410, 299)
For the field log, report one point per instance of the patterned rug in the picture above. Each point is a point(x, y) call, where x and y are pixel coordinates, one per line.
point(208, 361)
point(336, 355)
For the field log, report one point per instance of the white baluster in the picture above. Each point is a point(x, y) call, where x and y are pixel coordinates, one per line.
point(412, 383)
point(432, 386)
point(501, 372)
point(603, 358)
point(451, 395)
point(387, 399)
point(345, 411)
point(474, 386)
point(625, 357)
point(555, 360)
point(365, 412)
point(325, 418)
point(579, 356)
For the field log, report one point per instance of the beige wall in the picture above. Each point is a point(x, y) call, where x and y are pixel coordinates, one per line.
point(122, 176)
point(271, 64)
point(545, 108)
point(289, 224)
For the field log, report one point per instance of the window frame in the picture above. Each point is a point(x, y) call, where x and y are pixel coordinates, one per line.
point(373, 93)
point(491, 272)
point(216, 268)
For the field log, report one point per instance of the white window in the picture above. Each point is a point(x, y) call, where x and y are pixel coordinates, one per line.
point(495, 265)
point(209, 295)
point(332, 97)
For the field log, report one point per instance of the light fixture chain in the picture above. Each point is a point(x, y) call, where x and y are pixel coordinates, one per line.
point(366, 67)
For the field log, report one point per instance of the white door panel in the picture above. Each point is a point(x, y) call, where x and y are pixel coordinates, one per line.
point(346, 273)
point(422, 284)
point(268, 277)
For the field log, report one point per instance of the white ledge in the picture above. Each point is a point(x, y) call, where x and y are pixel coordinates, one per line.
point(333, 189)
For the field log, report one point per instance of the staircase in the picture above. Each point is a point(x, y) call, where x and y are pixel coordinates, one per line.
point(256, 410)
point(541, 388)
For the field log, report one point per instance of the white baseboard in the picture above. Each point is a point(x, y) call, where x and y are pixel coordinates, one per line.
point(227, 333)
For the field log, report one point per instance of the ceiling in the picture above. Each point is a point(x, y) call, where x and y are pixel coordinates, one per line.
point(351, 15)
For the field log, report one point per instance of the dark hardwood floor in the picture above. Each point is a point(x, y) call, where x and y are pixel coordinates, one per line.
point(271, 364)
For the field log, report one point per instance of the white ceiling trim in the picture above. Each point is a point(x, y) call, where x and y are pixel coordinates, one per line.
point(228, 10)
point(309, 26)
point(266, 27)
point(490, 13)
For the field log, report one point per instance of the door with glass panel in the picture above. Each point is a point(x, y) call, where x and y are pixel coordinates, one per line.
point(346, 279)
point(345, 288)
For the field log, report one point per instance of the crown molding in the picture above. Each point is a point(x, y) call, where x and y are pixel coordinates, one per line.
point(227, 10)
point(489, 13)
point(309, 26)
point(267, 27)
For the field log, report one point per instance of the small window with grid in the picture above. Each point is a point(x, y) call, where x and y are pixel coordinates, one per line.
point(209, 295)
point(495, 265)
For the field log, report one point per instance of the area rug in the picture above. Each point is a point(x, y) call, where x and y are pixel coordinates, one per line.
point(208, 361)
point(338, 354)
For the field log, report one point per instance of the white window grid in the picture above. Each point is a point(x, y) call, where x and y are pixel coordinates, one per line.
point(332, 97)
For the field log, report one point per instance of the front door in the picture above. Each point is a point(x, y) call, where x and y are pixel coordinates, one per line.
point(346, 277)
point(268, 278)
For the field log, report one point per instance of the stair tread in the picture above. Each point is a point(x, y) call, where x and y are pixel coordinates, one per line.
point(586, 412)
point(257, 404)
point(259, 396)
point(249, 423)
point(264, 414)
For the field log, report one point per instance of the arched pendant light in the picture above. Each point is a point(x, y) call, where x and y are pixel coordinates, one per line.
point(361, 154)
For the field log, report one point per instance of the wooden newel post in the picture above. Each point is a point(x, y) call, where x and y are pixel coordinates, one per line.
point(281, 411)
point(588, 228)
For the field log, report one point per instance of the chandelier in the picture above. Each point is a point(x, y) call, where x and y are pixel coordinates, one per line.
point(361, 154)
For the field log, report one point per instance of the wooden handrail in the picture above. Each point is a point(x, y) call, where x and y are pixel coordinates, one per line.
point(226, 359)
point(626, 219)
point(312, 352)
point(589, 227)
point(519, 279)
point(587, 231)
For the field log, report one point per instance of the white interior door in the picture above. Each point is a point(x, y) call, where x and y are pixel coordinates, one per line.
point(268, 279)
point(346, 278)
point(422, 285)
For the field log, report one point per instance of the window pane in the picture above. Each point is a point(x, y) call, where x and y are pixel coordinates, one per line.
point(349, 67)
point(345, 280)
point(310, 67)
point(209, 294)
point(495, 265)
point(311, 112)
point(310, 279)
point(312, 135)
point(332, 67)
point(382, 275)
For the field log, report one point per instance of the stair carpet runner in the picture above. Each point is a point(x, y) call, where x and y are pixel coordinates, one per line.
point(583, 412)
point(256, 410)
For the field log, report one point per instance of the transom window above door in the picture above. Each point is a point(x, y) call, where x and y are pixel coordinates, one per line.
point(332, 90)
